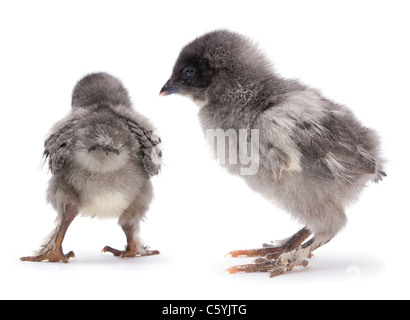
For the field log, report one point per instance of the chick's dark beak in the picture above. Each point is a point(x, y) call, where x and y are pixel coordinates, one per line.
point(168, 89)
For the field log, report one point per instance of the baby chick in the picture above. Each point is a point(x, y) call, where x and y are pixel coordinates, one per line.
point(312, 155)
point(101, 156)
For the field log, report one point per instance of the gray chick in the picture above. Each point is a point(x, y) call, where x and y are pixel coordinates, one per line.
point(310, 155)
point(101, 156)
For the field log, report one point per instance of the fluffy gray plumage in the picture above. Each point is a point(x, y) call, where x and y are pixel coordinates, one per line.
point(315, 157)
point(102, 156)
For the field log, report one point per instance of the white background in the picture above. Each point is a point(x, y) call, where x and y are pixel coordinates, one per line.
point(356, 52)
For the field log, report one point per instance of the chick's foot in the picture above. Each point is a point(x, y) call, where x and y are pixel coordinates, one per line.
point(271, 251)
point(129, 252)
point(286, 262)
point(51, 256)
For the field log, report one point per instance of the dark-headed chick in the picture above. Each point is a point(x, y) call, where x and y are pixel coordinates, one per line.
point(308, 154)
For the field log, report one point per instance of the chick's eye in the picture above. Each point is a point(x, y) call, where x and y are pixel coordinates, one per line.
point(188, 72)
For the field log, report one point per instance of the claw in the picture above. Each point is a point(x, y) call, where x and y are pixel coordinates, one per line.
point(70, 255)
point(232, 270)
point(236, 253)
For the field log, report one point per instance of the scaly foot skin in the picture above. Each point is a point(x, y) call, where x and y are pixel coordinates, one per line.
point(286, 262)
point(269, 252)
point(275, 267)
point(51, 256)
point(278, 258)
point(274, 250)
point(129, 253)
point(259, 266)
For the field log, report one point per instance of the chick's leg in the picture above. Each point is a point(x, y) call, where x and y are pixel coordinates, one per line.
point(52, 250)
point(130, 224)
point(133, 247)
